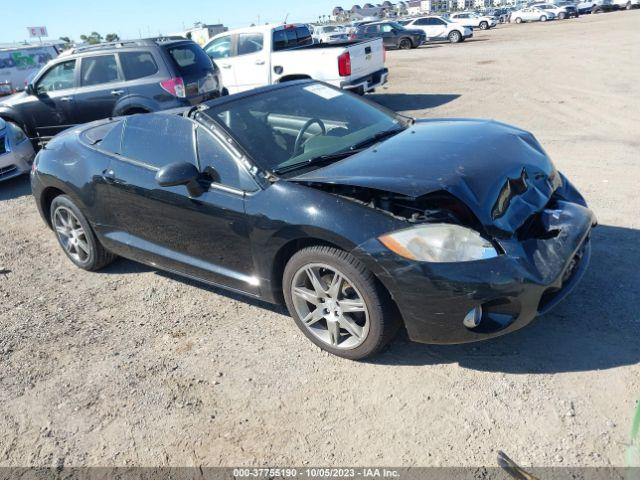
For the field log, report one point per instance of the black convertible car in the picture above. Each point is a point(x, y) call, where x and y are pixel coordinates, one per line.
point(359, 219)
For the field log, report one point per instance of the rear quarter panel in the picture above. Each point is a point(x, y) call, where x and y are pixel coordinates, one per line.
point(76, 170)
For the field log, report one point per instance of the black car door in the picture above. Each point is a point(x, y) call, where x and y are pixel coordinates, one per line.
point(101, 86)
point(389, 36)
point(204, 237)
point(50, 107)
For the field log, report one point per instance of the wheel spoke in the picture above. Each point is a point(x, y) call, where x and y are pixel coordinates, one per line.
point(62, 231)
point(352, 306)
point(314, 317)
point(336, 285)
point(334, 332)
point(315, 282)
point(306, 295)
point(350, 326)
point(83, 246)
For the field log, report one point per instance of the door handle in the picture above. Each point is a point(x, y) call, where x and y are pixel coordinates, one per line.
point(225, 65)
point(117, 93)
point(259, 62)
point(66, 99)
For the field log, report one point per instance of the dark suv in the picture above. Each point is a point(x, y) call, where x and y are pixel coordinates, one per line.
point(122, 78)
point(393, 34)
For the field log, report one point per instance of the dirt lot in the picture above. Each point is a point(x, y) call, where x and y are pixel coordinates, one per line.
point(135, 367)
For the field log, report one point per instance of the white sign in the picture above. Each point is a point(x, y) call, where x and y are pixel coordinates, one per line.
point(37, 32)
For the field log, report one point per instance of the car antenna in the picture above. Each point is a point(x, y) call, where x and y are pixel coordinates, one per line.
point(286, 17)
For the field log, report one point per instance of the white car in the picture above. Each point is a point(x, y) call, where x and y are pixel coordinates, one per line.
point(440, 28)
point(625, 4)
point(330, 34)
point(473, 20)
point(257, 56)
point(531, 14)
point(560, 12)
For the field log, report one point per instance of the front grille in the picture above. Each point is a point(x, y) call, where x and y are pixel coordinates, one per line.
point(6, 171)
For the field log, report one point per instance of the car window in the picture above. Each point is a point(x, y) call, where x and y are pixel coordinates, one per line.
point(138, 65)
point(219, 48)
point(227, 171)
point(290, 37)
point(158, 139)
point(99, 70)
point(189, 59)
point(59, 77)
point(250, 43)
point(387, 28)
point(371, 29)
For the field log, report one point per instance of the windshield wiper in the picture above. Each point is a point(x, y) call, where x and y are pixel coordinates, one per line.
point(377, 138)
point(331, 157)
point(352, 150)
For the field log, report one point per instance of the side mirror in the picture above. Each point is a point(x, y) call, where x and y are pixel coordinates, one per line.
point(181, 173)
point(30, 89)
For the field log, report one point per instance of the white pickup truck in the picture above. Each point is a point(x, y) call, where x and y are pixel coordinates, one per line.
point(258, 56)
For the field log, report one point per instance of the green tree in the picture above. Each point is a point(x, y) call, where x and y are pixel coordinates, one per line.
point(112, 37)
point(92, 39)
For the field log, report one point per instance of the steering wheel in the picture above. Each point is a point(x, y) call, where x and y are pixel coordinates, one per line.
point(297, 149)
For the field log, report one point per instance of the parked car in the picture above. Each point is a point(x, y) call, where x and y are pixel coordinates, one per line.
point(330, 34)
point(531, 14)
point(473, 20)
point(393, 34)
point(355, 217)
point(440, 28)
point(560, 12)
point(625, 4)
point(594, 6)
point(500, 15)
point(258, 56)
point(6, 89)
point(570, 5)
point(105, 80)
point(16, 152)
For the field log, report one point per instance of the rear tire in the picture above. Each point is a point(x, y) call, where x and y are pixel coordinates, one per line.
point(484, 26)
point(543, 18)
point(518, 20)
point(76, 237)
point(374, 323)
point(562, 16)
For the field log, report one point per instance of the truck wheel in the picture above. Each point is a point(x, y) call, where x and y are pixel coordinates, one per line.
point(405, 44)
point(455, 37)
point(484, 25)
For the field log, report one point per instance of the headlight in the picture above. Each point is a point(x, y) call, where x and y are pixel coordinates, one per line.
point(439, 243)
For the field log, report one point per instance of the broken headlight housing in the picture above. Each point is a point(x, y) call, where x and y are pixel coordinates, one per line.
point(439, 243)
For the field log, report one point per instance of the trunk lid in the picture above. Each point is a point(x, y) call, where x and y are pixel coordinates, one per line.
point(366, 57)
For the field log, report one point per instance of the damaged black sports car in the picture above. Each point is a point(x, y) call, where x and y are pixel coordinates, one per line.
point(359, 219)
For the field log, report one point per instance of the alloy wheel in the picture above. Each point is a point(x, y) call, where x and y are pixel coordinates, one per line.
point(71, 235)
point(329, 306)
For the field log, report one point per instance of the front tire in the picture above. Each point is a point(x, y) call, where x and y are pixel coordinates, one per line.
point(543, 18)
point(562, 16)
point(455, 36)
point(76, 237)
point(337, 304)
point(405, 44)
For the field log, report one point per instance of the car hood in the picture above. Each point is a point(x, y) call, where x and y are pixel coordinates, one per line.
point(11, 100)
point(500, 172)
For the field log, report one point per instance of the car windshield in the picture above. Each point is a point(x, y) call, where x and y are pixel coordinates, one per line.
point(331, 29)
point(295, 126)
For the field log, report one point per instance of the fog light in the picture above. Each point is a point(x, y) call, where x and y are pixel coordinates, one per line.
point(473, 318)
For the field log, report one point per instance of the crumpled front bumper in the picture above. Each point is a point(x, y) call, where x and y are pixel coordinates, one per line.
point(529, 278)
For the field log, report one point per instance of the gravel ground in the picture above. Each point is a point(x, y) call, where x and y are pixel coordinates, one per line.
point(132, 366)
